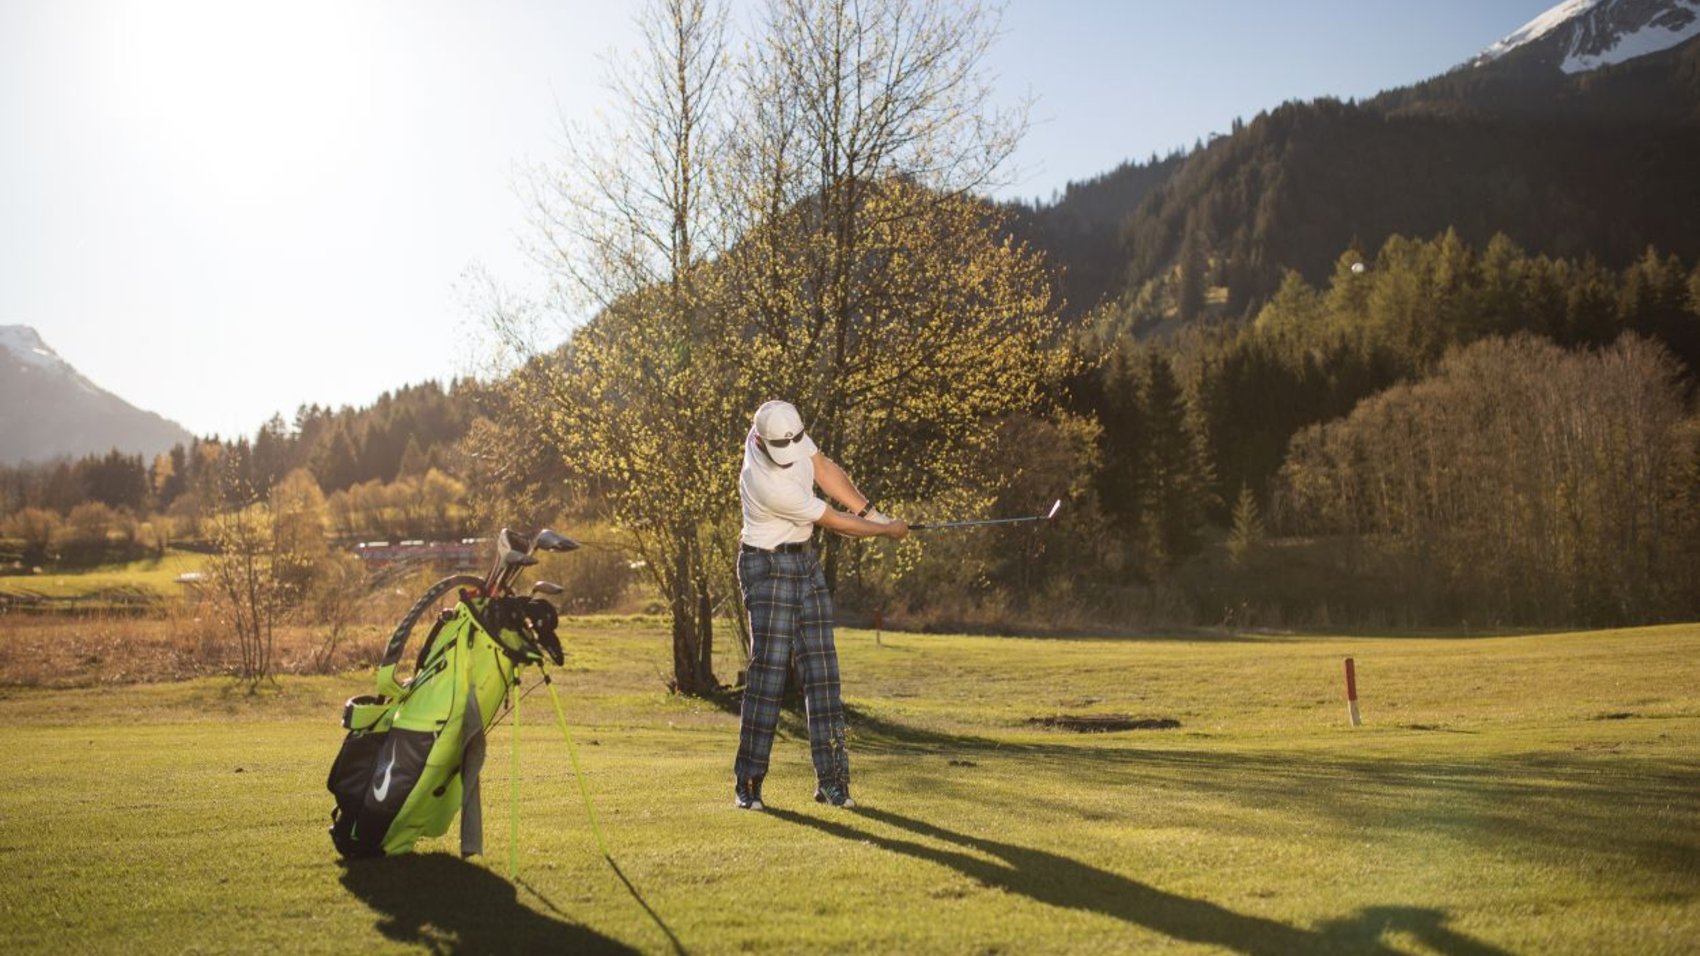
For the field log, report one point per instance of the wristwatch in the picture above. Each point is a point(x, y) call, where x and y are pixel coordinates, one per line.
point(865, 509)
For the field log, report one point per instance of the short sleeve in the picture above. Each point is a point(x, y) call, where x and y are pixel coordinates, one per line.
point(793, 503)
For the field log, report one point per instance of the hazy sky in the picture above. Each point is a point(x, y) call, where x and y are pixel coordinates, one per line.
point(224, 209)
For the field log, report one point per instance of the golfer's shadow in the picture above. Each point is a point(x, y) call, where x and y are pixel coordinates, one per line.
point(448, 905)
point(1059, 881)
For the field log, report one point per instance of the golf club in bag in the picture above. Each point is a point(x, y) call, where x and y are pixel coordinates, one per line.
point(415, 748)
point(1048, 516)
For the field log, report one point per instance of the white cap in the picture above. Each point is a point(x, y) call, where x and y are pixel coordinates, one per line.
point(781, 430)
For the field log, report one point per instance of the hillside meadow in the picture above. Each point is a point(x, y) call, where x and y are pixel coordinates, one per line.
point(1506, 794)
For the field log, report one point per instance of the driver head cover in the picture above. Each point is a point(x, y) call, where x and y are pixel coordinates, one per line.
point(781, 430)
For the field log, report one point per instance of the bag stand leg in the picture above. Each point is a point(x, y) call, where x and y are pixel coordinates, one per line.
point(572, 753)
point(513, 789)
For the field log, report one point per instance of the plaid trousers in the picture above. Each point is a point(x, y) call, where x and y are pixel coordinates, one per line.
point(790, 619)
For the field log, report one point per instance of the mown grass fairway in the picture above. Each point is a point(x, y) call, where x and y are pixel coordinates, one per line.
point(1535, 794)
point(147, 579)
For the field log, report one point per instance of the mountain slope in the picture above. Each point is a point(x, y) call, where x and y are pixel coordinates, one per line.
point(1082, 229)
point(1527, 80)
point(1592, 163)
point(48, 410)
point(1581, 35)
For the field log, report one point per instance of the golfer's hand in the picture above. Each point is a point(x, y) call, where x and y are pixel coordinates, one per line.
point(875, 516)
point(895, 529)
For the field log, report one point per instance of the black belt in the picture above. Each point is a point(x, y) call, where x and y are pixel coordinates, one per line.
point(794, 547)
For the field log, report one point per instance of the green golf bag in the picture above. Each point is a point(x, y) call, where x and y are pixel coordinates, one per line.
point(414, 749)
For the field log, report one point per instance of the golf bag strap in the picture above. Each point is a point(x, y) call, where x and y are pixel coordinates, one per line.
point(429, 642)
point(398, 640)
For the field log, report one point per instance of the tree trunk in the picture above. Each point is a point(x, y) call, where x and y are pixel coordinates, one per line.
point(693, 624)
point(705, 634)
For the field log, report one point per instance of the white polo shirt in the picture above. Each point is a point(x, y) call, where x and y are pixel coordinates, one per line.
point(780, 506)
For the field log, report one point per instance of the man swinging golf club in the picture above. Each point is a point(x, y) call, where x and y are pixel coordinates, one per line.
point(785, 593)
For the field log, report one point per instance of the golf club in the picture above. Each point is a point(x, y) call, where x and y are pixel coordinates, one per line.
point(1050, 515)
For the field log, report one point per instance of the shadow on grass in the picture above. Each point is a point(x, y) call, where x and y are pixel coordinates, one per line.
point(1046, 631)
point(447, 905)
point(655, 917)
point(660, 923)
point(1056, 880)
point(876, 733)
point(1549, 805)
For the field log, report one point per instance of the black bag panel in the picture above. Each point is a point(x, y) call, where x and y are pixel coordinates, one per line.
point(399, 762)
point(351, 772)
point(355, 833)
point(359, 834)
point(371, 779)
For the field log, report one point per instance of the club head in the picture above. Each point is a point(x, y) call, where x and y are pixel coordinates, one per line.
point(547, 587)
point(1052, 514)
point(551, 644)
point(548, 540)
point(541, 618)
point(513, 551)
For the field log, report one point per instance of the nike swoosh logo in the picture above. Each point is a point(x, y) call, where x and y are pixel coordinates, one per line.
point(382, 788)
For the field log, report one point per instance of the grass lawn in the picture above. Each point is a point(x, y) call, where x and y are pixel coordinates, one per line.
point(1530, 794)
point(149, 578)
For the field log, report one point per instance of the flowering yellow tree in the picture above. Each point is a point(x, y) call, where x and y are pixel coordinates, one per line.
point(830, 253)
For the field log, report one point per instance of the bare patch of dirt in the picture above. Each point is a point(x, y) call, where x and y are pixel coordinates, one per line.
point(1103, 723)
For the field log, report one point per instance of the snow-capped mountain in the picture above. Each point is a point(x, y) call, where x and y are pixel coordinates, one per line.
point(49, 410)
point(1581, 35)
point(23, 345)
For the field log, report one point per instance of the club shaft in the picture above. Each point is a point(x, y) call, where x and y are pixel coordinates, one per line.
point(929, 526)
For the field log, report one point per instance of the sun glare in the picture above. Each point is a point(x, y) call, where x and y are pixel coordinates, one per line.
point(248, 100)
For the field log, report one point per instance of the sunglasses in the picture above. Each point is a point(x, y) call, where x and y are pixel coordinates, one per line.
point(782, 442)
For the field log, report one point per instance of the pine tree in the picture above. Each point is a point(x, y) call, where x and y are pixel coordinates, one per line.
point(414, 462)
point(271, 454)
point(336, 463)
point(1246, 534)
point(1175, 473)
point(1120, 480)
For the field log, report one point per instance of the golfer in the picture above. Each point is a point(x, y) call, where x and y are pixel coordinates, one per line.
point(785, 594)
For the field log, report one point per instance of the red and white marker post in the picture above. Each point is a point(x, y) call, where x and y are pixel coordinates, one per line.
point(1352, 693)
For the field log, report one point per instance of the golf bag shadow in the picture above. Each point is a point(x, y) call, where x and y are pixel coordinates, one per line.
point(414, 749)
